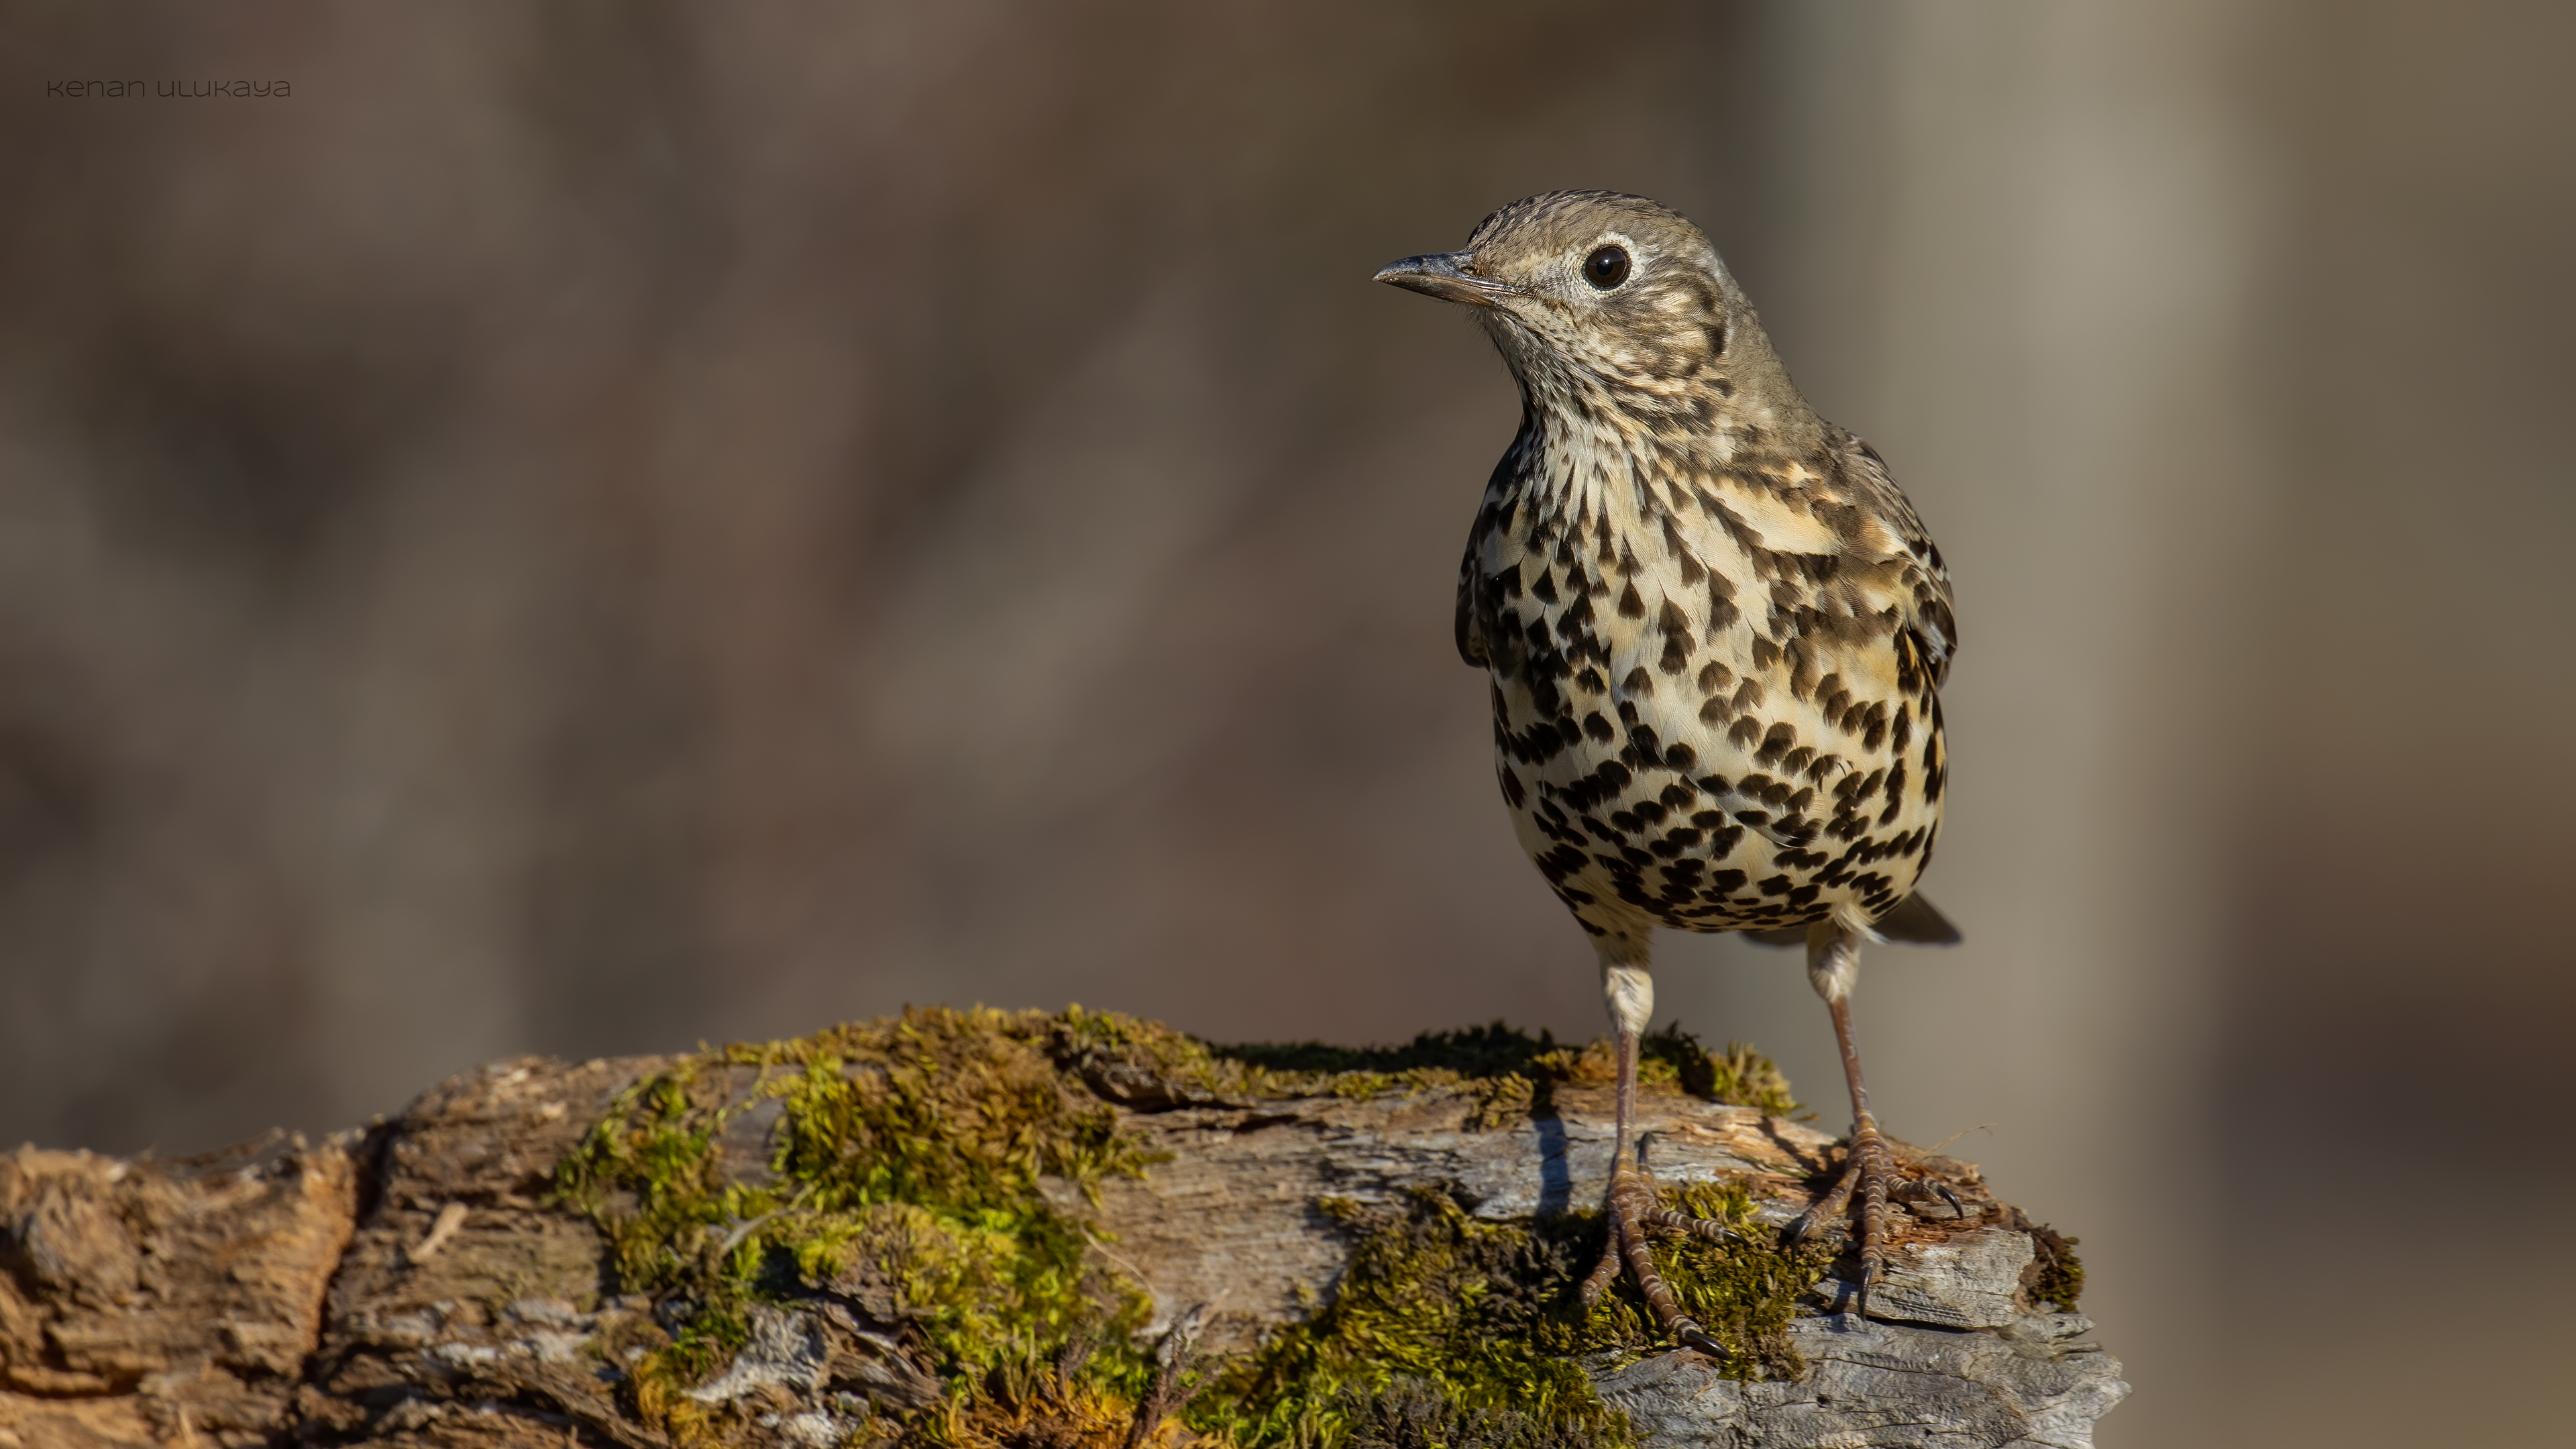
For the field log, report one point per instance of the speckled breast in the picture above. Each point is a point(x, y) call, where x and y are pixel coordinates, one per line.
point(1686, 737)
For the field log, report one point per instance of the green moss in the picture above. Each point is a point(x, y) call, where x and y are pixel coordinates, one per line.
point(1411, 1413)
point(908, 1160)
point(1430, 1295)
point(1744, 1294)
point(1485, 1319)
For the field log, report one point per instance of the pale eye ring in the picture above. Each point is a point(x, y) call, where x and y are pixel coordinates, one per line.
point(1606, 268)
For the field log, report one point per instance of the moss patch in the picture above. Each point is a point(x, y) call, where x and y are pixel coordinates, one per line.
point(904, 1178)
point(907, 1175)
point(2055, 1275)
point(1520, 1070)
point(1486, 1321)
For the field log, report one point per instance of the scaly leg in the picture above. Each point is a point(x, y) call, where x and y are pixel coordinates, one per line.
point(1631, 1201)
point(1833, 963)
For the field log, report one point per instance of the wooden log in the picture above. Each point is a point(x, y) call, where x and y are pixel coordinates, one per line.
point(474, 1300)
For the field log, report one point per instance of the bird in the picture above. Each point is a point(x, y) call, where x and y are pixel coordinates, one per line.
point(1716, 633)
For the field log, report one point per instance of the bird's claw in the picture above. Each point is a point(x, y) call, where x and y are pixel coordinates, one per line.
point(1707, 1230)
point(1867, 1169)
point(1632, 1210)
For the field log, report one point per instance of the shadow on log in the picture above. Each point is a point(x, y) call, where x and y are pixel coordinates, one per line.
point(1021, 1229)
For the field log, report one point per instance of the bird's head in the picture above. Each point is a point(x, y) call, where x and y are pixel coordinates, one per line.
point(1593, 295)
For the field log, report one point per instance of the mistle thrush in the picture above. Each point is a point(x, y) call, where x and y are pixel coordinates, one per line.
point(1716, 633)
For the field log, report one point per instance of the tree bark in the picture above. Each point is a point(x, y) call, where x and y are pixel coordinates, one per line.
point(419, 1284)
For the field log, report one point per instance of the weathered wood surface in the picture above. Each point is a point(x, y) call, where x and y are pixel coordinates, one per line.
point(144, 1303)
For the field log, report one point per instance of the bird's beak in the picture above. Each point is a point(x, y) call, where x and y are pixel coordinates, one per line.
point(1444, 275)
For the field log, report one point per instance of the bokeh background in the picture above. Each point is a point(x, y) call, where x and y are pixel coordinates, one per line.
point(596, 526)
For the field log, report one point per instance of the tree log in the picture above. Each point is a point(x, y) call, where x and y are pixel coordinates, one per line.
point(429, 1282)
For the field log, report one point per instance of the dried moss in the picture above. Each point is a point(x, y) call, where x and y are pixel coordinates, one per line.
point(2055, 1275)
point(1521, 1069)
point(904, 1177)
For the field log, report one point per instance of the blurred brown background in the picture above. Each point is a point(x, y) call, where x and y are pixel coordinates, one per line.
point(595, 526)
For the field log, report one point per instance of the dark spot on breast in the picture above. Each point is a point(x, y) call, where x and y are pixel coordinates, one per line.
point(1638, 681)
point(1560, 863)
point(1632, 604)
point(1599, 728)
point(1775, 742)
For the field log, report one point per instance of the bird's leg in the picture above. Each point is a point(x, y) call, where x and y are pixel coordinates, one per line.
point(1631, 1200)
point(1833, 962)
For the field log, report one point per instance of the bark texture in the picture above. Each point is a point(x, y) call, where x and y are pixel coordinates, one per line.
point(417, 1284)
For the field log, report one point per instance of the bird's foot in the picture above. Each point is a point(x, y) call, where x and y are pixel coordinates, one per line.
point(1868, 1171)
point(1632, 1209)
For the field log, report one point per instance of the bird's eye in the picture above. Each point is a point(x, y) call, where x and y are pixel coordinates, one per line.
point(1606, 268)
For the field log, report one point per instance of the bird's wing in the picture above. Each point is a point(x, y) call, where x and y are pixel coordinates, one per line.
point(1927, 579)
point(1912, 919)
point(1830, 562)
point(1471, 635)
